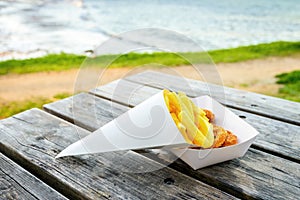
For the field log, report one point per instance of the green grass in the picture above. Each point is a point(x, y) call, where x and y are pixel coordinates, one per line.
point(291, 85)
point(51, 62)
point(10, 108)
point(62, 95)
point(58, 62)
point(14, 107)
point(255, 52)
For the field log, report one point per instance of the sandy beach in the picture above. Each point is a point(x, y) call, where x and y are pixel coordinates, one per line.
point(237, 75)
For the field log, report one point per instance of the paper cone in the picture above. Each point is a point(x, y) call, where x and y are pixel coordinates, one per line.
point(148, 125)
point(199, 158)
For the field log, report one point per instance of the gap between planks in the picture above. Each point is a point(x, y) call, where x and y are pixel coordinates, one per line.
point(104, 92)
point(136, 79)
point(254, 146)
point(47, 169)
point(84, 98)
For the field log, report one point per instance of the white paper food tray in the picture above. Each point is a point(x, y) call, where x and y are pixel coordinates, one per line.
point(150, 125)
point(199, 158)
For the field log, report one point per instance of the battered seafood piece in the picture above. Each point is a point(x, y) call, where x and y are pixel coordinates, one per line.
point(209, 115)
point(223, 137)
point(220, 136)
point(230, 140)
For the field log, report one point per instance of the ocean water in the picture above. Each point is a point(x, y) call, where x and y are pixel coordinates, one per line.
point(35, 27)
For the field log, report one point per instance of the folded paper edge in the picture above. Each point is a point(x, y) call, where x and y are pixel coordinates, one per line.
point(79, 147)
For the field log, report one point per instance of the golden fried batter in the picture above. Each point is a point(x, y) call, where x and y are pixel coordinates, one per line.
point(209, 115)
point(230, 140)
point(223, 138)
point(220, 136)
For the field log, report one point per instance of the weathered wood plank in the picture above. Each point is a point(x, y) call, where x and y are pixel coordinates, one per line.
point(34, 137)
point(124, 92)
point(251, 184)
point(257, 175)
point(99, 110)
point(272, 107)
point(277, 137)
point(17, 183)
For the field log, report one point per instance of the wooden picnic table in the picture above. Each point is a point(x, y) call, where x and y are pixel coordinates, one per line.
point(30, 141)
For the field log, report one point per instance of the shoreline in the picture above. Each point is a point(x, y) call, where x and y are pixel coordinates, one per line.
point(18, 55)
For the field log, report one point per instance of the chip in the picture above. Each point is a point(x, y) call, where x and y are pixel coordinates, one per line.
point(189, 119)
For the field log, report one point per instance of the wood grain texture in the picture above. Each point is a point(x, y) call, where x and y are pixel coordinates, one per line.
point(252, 183)
point(271, 107)
point(124, 92)
point(99, 110)
point(257, 175)
point(275, 136)
point(33, 138)
point(17, 183)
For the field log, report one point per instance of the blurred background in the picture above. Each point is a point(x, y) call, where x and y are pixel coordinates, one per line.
point(255, 44)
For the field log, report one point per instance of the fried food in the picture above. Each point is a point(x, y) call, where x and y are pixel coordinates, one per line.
point(230, 140)
point(223, 137)
point(209, 115)
point(189, 119)
point(195, 124)
point(220, 136)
